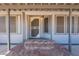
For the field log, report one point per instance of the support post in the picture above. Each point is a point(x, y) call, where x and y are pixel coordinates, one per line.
point(51, 27)
point(23, 15)
point(69, 41)
point(9, 29)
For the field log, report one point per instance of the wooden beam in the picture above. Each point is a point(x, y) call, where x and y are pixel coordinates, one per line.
point(25, 6)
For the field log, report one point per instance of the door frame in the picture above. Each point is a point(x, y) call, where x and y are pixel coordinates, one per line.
point(40, 19)
point(40, 14)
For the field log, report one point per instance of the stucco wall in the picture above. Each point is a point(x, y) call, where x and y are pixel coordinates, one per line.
point(63, 38)
point(59, 38)
point(15, 37)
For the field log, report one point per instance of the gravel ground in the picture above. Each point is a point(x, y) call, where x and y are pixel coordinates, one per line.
point(3, 49)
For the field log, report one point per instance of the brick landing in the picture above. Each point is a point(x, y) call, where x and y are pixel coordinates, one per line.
point(39, 47)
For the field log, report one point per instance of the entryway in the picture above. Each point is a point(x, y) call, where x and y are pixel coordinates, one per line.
point(35, 26)
point(39, 26)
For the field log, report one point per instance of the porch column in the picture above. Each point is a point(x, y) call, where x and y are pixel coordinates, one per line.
point(23, 19)
point(9, 37)
point(69, 41)
point(52, 27)
point(26, 27)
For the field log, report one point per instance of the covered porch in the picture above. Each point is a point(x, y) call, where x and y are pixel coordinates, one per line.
point(58, 22)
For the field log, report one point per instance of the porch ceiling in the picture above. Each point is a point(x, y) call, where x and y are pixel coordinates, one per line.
point(38, 6)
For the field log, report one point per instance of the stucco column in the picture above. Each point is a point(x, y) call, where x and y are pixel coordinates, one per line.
point(52, 26)
point(26, 26)
point(23, 26)
point(41, 27)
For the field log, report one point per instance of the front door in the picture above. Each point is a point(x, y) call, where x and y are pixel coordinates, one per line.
point(35, 27)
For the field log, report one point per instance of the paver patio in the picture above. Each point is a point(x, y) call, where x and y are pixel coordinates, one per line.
point(75, 49)
point(39, 48)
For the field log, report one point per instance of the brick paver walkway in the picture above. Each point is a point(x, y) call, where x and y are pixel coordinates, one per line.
point(39, 48)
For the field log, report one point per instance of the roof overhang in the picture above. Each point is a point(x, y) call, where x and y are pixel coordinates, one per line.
point(38, 6)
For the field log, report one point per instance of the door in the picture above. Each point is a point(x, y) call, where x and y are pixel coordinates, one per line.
point(35, 27)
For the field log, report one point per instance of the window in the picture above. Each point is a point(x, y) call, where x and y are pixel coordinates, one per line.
point(68, 22)
point(78, 25)
point(2, 24)
point(60, 24)
point(46, 25)
point(73, 24)
point(12, 24)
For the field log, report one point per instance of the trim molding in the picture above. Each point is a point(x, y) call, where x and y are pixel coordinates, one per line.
point(11, 43)
point(22, 43)
point(68, 44)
